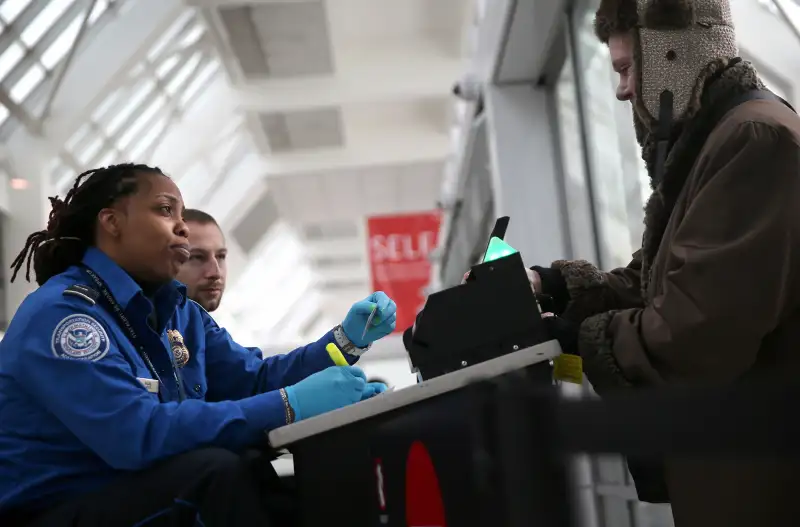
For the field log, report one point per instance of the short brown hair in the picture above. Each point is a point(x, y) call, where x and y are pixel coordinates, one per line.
point(198, 216)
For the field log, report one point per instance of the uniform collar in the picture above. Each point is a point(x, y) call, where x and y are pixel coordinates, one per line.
point(120, 284)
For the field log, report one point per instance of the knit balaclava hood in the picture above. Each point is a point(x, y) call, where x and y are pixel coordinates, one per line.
point(675, 40)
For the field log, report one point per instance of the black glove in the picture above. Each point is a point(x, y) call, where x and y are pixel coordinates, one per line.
point(554, 286)
point(565, 332)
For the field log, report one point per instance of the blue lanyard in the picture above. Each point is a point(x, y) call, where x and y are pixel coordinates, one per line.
point(112, 306)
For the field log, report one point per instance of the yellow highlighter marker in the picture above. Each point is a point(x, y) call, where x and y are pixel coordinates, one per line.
point(336, 355)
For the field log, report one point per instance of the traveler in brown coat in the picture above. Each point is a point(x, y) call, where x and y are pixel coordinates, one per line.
point(713, 296)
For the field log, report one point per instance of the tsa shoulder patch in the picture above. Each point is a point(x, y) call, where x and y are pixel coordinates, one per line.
point(80, 337)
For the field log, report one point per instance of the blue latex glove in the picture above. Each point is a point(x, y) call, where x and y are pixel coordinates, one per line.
point(372, 389)
point(383, 323)
point(326, 390)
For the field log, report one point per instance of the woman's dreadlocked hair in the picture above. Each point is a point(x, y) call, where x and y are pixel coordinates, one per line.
point(71, 225)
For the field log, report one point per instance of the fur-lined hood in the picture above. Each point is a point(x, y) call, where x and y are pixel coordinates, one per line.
point(721, 80)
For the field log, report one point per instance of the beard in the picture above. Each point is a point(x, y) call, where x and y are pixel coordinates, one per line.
point(639, 127)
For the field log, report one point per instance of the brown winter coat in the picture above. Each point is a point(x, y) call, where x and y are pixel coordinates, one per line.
point(713, 296)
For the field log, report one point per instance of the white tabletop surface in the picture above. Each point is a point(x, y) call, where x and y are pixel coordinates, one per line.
point(286, 435)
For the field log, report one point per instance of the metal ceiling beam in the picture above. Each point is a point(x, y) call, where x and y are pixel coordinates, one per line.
point(388, 148)
point(108, 58)
point(393, 77)
point(241, 3)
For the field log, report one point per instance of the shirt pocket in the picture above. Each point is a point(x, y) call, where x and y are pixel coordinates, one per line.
point(194, 381)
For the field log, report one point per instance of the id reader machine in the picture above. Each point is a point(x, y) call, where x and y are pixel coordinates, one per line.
point(421, 456)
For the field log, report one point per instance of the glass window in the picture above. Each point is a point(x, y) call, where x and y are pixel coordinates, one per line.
point(100, 7)
point(100, 113)
point(611, 149)
point(142, 120)
point(183, 73)
point(62, 176)
point(44, 21)
point(108, 158)
point(145, 141)
point(221, 152)
point(11, 9)
point(136, 100)
point(576, 185)
point(192, 36)
point(3, 114)
point(196, 84)
point(78, 137)
point(27, 83)
point(61, 45)
point(10, 58)
point(166, 66)
point(195, 181)
point(167, 39)
point(86, 154)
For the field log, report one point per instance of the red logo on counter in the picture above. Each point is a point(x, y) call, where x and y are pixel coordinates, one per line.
point(398, 255)
point(424, 505)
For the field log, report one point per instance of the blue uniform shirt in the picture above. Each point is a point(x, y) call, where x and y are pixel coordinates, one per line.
point(74, 407)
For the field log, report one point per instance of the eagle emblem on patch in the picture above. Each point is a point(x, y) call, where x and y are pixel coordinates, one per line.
point(179, 350)
point(80, 337)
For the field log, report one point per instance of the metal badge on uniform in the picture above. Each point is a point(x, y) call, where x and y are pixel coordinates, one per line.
point(151, 385)
point(179, 350)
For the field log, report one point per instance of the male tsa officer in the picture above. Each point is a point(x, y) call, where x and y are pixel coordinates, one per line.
point(122, 403)
point(206, 271)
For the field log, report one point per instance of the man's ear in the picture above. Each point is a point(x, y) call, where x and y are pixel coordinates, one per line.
point(109, 221)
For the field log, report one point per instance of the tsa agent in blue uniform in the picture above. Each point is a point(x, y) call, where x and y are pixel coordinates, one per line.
point(122, 402)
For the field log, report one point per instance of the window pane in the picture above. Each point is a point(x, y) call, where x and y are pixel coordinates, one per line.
point(171, 33)
point(612, 150)
point(183, 74)
point(44, 21)
point(140, 94)
point(576, 184)
point(137, 127)
point(99, 114)
point(199, 82)
point(109, 158)
point(62, 177)
point(10, 9)
point(61, 46)
point(192, 36)
point(86, 154)
point(10, 58)
point(166, 66)
point(3, 114)
point(146, 140)
point(99, 8)
point(27, 83)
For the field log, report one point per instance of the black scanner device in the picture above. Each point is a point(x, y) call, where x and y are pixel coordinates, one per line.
point(493, 313)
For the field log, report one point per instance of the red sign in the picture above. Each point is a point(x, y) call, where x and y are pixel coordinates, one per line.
point(398, 253)
point(424, 506)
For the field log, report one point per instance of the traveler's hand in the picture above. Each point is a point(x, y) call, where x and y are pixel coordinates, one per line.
point(383, 323)
point(564, 331)
point(535, 280)
point(329, 389)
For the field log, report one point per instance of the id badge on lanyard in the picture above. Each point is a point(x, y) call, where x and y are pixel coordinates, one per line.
point(112, 306)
